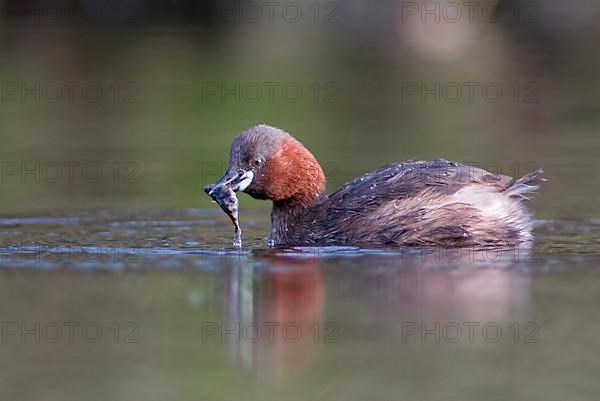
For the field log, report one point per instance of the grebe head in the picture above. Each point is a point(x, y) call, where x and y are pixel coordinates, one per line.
point(268, 163)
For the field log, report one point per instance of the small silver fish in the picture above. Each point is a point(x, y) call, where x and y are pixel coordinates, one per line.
point(226, 198)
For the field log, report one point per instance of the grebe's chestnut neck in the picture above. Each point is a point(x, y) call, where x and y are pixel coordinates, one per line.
point(267, 163)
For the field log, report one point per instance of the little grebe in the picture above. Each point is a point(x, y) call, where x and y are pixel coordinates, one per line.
point(422, 203)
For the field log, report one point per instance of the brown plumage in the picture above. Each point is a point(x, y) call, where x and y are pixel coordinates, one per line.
point(422, 203)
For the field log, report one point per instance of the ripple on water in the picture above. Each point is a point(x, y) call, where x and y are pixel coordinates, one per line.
point(200, 239)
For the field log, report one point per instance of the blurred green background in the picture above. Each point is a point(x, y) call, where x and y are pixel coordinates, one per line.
point(160, 123)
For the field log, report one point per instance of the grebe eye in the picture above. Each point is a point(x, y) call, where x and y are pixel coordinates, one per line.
point(257, 162)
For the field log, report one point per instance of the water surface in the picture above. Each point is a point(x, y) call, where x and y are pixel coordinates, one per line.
point(183, 315)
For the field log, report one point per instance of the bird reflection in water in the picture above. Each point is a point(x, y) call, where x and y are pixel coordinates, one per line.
point(373, 295)
point(280, 315)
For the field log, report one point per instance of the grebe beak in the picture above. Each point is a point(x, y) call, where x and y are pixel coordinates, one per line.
point(238, 180)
